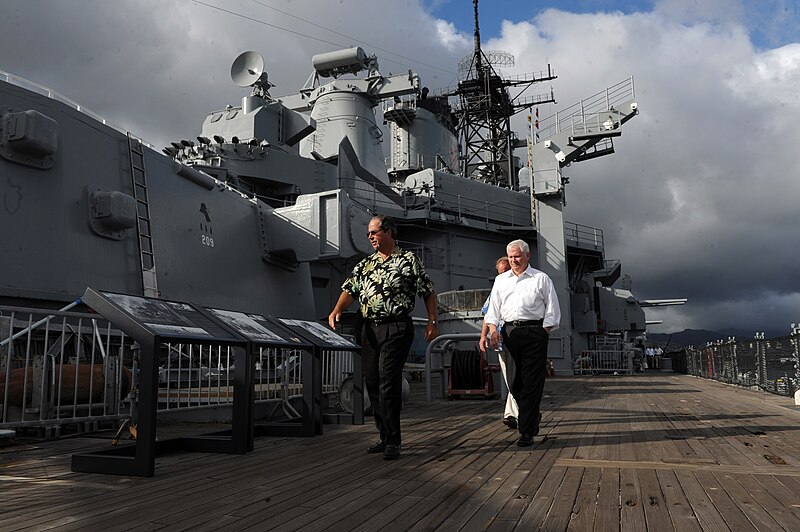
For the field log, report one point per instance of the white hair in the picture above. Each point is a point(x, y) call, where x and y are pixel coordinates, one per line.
point(521, 244)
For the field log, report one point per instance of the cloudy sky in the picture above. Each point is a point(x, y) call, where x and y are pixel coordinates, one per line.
point(701, 200)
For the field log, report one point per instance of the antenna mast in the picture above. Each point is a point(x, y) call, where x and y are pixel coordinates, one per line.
point(484, 112)
point(476, 52)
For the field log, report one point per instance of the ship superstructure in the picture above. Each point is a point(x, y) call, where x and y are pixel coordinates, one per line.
point(265, 210)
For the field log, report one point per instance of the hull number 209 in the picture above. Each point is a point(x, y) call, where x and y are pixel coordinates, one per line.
point(207, 240)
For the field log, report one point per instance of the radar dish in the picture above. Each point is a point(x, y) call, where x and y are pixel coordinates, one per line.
point(248, 70)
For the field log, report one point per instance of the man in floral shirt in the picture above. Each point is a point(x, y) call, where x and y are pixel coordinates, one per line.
point(386, 285)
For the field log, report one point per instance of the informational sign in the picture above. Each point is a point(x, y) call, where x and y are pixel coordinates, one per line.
point(256, 328)
point(169, 318)
point(319, 334)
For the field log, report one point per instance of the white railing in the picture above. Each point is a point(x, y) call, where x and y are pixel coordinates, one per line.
point(587, 113)
point(583, 235)
point(54, 95)
point(61, 367)
point(615, 361)
point(74, 370)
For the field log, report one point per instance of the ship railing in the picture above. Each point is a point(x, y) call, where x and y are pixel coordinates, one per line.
point(72, 371)
point(462, 207)
point(405, 102)
point(432, 257)
point(583, 235)
point(419, 162)
point(59, 368)
point(452, 207)
point(616, 360)
point(768, 364)
point(588, 114)
point(54, 95)
point(516, 79)
point(195, 376)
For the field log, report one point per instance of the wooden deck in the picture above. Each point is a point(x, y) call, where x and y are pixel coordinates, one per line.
point(659, 451)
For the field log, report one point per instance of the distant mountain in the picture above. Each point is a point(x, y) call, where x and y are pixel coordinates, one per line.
point(699, 337)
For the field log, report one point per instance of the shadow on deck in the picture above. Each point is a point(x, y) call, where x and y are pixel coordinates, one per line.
point(658, 451)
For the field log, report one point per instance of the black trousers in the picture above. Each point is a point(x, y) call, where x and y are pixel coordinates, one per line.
point(384, 351)
point(528, 348)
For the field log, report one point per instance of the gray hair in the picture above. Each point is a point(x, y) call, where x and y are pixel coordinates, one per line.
point(521, 244)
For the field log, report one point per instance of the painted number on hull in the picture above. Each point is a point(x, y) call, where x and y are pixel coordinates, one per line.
point(207, 240)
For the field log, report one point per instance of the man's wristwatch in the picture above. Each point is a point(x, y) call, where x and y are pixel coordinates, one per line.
point(432, 322)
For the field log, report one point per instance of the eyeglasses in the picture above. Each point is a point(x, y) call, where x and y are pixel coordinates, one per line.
point(371, 233)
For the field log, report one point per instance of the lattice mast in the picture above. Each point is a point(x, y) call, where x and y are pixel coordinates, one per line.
point(484, 112)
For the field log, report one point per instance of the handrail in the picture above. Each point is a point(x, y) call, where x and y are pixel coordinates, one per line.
point(55, 95)
point(597, 103)
point(583, 234)
point(40, 322)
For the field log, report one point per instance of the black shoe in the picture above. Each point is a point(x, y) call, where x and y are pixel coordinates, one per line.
point(510, 422)
point(377, 448)
point(391, 452)
point(525, 440)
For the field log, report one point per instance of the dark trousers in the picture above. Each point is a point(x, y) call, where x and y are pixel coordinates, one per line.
point(528, 348)
point(384, 351)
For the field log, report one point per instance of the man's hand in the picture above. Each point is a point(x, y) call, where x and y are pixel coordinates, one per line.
point(431, 331)
point(494, 337)
point(333, 318)
point(482, 343)
point(345, 300)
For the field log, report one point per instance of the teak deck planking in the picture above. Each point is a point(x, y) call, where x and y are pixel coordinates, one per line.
point(657, 451)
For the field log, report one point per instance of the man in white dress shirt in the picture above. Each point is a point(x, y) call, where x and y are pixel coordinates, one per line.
point(524, 300)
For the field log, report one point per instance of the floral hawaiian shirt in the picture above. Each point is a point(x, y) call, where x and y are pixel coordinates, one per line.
point(386, 288)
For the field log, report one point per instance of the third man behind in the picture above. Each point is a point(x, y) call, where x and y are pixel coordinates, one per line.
point(511, 411)
point(524, 300)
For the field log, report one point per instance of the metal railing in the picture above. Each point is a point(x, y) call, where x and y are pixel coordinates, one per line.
point(583, 235)
point(432, 257)
point(610, 355)
point(585, 115)
point(456, 206)
point(595, 361)
point(772, 364)
point(477, 209)
point(417, 162)
point(74, 370)
point(62, 367)
point(54, 95)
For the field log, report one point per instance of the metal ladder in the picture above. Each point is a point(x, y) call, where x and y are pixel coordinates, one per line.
point(147, 256)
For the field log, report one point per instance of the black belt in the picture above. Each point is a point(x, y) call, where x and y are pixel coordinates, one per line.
point(391, 319)
point(524, 323)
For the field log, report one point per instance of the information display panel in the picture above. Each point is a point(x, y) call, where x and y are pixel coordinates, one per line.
point(170, 318)
point(319, 334)
point(153, 323)
point(258, 329)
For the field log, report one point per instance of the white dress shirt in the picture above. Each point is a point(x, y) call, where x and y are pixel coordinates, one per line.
point(529, 296)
